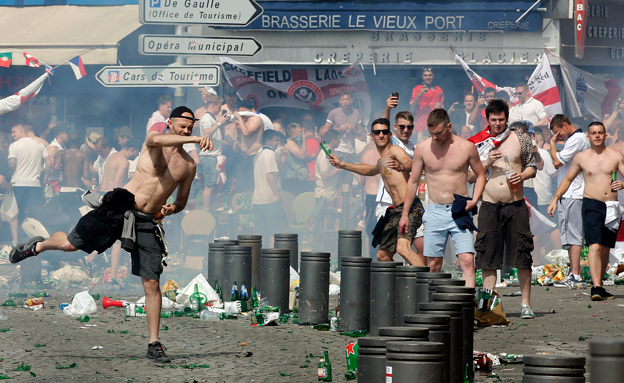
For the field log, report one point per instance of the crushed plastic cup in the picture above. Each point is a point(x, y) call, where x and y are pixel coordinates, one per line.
point(209, 316)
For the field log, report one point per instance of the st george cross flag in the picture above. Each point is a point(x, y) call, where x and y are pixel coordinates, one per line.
point(588, 94)
point(543, 88)
point(31, 61)
point(78, 67)
point(314, 89)
point(13, 102)
point(5, 59)
point(480, 83)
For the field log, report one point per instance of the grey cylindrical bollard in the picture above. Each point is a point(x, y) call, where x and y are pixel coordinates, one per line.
point(372, 358)
point(355, 294)
point(406, 291)
point(444, 282)
point(314, 288)
point(275, 283)
point(413, 333)
point(467, 302)
point(607, 360)
point(290, 242)
point(216, 264)
point(349, 244)
point(439, 327)
point(410, 361)
point(422, 285)
point(454, 310)
point(237, 268)
point(255, 242)
point(227, 241)
point(556, 368)
point(382, 295)
point(455, 289)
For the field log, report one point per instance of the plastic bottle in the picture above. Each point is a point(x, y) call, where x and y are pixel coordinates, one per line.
point(509, 171)
point(207, 315)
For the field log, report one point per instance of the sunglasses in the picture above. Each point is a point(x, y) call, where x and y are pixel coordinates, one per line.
point(410, 127)
point(378, 132)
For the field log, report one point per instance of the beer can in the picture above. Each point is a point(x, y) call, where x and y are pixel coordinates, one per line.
point(334, 322)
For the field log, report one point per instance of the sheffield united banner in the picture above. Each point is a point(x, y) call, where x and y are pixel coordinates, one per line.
point(315, 89)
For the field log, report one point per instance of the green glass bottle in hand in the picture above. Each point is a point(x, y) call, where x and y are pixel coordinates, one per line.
point(325, 148)
point(613, 179)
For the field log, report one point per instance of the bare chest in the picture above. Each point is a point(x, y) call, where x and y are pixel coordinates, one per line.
point(451, 160)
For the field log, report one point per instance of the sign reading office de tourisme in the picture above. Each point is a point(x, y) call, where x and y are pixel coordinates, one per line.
point(207, 12)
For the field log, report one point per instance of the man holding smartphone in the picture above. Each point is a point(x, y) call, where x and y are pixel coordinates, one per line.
point(425, 98)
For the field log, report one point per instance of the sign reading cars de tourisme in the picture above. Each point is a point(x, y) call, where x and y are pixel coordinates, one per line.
point(207, 12)
point(152, 76)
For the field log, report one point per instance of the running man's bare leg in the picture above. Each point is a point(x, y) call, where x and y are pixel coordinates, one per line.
point(595, 264)
point(575, 259)
point(435, 263)
point(13, 225)
point(466, 262)
point(404, 248)
point(153, 303)
point(524, 277)
point(115, 255)
point(58, 241)
point(419, 244)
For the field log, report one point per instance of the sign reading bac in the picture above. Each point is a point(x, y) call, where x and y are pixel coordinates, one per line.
point(153, 76)
point(206, 12)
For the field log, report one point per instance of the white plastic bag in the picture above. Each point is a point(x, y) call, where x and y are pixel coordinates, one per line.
point(294, 278)
point(203, 286)
point(82, 304)
point(9, 210)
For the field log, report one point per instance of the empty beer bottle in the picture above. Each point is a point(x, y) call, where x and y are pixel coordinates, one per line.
point(216, 286)
point(235, 295)
point(254, 297)
point(244, 297)
point(325, 148)
point(324, 368)
point(195, 299)
point(613, 179)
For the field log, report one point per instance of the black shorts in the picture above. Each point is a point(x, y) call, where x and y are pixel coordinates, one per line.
point(149, 248)
point(594, 213)
point(503, 224)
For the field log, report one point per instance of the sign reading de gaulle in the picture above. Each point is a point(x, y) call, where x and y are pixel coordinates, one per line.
point(207, 12)
point(152, 76)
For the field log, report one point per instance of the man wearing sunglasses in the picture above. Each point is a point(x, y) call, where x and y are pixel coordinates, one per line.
point(528, 109)
point(395, 181)
point(446, 158)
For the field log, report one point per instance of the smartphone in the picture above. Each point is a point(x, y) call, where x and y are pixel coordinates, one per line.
point(53, 119)
point(395, 94)
point(223, 112)
point(424, 84)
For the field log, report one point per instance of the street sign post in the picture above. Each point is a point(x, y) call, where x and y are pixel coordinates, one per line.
point(153, 76)
point(197, 45)
point(207, 12)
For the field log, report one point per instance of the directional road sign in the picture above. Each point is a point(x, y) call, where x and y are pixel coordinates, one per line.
point(197, 45)
point(208, 12)
point(146, 76)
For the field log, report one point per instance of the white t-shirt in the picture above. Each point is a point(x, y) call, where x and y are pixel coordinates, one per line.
point(28, 154)
point(326, 186)
point(263, 164)
point(532, 110)
point(575, 144)
point(542, 181)
point(207, 122)
point(382, 193)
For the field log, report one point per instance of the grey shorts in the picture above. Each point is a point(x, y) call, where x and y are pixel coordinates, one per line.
point(570, 213)
point(208, 170)
point(148, 251)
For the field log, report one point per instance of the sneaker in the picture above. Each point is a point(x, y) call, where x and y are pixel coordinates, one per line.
point(24, 251)
point(569, 282)
point(156, 351)
point(527, 312)
point(598, 293)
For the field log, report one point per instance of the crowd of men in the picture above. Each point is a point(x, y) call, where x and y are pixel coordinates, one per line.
point(485, 153)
